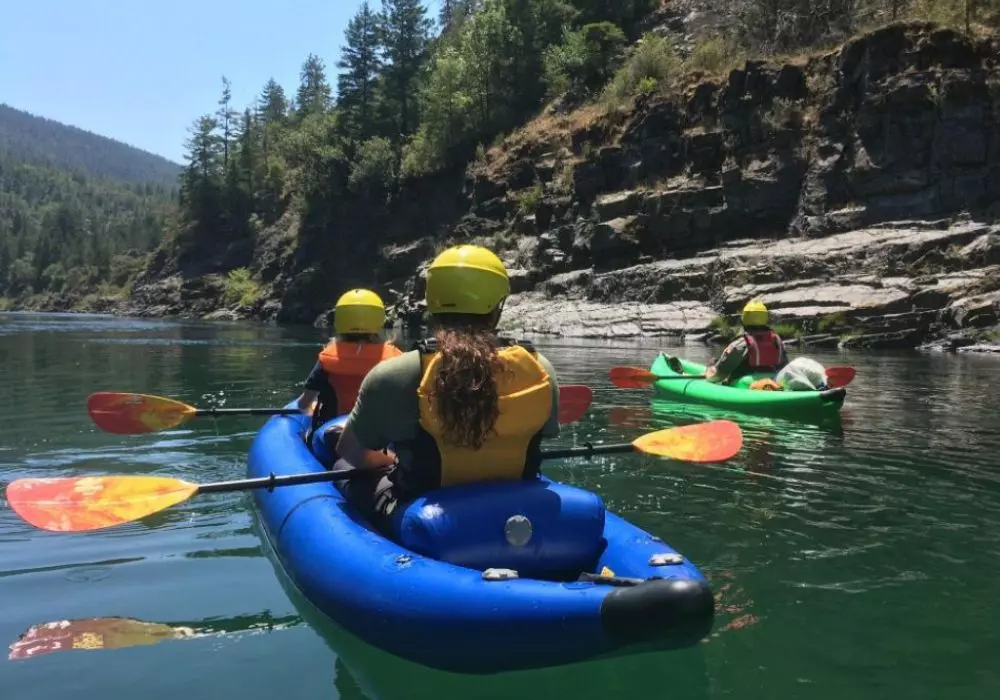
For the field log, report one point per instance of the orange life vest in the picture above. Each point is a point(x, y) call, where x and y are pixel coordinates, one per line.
point(525, 402)
point(346, 365)
point(764, 350)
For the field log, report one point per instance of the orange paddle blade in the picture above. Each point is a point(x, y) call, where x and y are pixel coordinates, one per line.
point(631, 377)
point(130, 414)
point(95, 633)
point(93, 502)
point(839, 376)
point(574, 400)
point(714, 441)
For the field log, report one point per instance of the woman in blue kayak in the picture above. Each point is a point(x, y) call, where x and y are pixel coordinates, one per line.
point(464, 406)
point(332, 386)
point(758, 349)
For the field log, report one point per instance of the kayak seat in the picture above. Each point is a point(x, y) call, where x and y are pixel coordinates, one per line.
point(538, 528)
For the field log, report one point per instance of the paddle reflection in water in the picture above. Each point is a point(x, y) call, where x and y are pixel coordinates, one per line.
point(100, 633)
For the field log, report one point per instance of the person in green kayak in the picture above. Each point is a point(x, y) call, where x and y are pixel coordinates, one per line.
point(758, 349)
point(464, 406)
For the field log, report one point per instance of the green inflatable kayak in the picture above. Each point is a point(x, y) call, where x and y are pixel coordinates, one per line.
point(739, 396)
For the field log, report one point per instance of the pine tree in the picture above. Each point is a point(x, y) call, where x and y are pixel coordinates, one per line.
point(272, 110)
point(446, 15)
point(360, 64)
point(248, 161)
point(226, 116)
point(201, 181)
point(313, 96)
point(489, 48)
point(407, 31)
point(273, 103)
point(6, 258)
point(538, 24)
point(453, 13)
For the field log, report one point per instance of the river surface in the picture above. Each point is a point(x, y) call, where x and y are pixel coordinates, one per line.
point(857, 560)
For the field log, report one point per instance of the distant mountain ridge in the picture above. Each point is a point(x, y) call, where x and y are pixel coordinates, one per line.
point(32, 139)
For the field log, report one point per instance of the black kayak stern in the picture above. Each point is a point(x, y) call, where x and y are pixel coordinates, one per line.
point(675, 612)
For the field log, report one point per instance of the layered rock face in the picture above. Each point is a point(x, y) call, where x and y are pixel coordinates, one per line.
point(853, 191)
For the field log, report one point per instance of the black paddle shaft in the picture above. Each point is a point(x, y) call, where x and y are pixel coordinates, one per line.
point(272, 482)
point(589, 450)
point(246, 411)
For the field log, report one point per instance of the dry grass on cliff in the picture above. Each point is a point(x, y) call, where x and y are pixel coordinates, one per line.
point(552, 133)
point(548, 132)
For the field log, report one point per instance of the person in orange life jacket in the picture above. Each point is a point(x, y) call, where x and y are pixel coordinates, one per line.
point(758, 349)
point(463, 406)
point(331, 388)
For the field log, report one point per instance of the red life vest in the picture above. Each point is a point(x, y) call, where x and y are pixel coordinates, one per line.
point(764, 349)
point(346, 365)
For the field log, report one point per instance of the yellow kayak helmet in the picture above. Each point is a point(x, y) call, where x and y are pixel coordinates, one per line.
point(754, 313)
point(359, 311)
point(466, 279)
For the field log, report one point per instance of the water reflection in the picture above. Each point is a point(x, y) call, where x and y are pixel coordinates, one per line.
point(105, 633)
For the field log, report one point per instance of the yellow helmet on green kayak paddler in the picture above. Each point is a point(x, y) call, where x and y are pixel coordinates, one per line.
point(754, 313)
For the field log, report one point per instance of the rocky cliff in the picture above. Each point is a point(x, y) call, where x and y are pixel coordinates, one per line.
point(852, 190)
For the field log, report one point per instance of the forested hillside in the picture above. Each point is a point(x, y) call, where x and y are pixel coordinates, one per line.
point(612, 153)
point(414, 95)
point(78, 213)
point(27, 138)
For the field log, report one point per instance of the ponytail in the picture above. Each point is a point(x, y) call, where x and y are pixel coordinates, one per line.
point(465, 393)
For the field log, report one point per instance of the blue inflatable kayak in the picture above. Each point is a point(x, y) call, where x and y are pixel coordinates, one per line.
point(485, 578)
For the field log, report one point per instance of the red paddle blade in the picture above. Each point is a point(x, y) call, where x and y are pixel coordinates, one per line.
point(839, 376)
point(574, 400)
point(130, 414)
point(714, 441)
point(631, 377)
point(93, 502)
point(95, 633)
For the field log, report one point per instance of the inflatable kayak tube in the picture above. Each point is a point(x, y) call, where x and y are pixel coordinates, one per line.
point(484, 578)
point(739, 396)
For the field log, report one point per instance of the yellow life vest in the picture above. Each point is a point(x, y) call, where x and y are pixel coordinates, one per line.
point(525, 391)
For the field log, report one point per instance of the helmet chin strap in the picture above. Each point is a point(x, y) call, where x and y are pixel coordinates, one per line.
point(496, 313)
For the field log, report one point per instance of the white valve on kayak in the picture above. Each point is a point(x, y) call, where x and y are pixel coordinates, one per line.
point(517, 530)
point(499, 574)
point(666, 559)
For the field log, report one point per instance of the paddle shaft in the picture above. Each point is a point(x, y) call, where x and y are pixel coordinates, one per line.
point(271, 482)
point(274, 411)
point(246, 411)
point(589, 450)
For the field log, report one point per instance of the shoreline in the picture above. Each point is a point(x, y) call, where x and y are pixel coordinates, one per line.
point(537, 317)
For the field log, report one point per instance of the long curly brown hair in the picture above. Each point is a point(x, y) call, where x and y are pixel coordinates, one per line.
point(465, 394)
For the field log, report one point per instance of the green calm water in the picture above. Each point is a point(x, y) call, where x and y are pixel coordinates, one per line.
point(853, 561)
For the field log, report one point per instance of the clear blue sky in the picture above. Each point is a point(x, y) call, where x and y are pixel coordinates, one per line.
point(141, 71)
